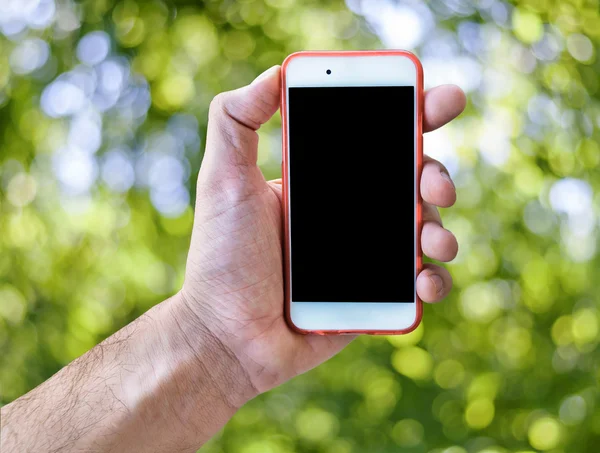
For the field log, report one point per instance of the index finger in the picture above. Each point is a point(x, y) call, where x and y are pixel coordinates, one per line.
point(442, 104)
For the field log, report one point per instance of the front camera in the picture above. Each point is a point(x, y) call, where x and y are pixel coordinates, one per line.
point(328, 71)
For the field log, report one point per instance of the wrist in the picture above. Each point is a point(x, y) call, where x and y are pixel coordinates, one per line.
point(186, 385)
point(205, 354)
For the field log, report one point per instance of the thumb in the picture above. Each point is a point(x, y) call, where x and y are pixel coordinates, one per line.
point(235, 116)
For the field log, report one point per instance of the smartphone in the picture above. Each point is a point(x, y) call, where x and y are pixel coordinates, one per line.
point(352, 158)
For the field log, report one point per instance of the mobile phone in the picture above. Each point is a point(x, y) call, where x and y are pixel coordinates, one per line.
point(352, 157)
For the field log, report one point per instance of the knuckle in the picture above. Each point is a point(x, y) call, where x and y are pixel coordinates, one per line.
point(438, 243)
point(232, 134)
point(427, 191)
point(435, 166)
point(433, 238)
point(431, 214)
point(430, 162)
point(217, 103)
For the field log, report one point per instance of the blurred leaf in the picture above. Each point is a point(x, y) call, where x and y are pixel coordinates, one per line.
point(103, 112)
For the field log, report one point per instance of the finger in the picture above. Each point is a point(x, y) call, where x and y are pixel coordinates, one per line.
point(442, 104)
point(437, 187)
point(438, 243)
point(235, 116)
point(316, 349)
point(326, 346)
point(433, 283)
point(276, 187)
point(431, 214)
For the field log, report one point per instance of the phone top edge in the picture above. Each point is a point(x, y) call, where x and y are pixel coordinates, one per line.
point(349, 53)
point(351, 69)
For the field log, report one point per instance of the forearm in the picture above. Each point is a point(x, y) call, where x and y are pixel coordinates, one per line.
point(162, 383)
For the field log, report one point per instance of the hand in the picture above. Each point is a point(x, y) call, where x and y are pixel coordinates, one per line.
point(234, 284)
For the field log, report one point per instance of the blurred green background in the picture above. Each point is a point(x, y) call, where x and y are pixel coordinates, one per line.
point(103, 108)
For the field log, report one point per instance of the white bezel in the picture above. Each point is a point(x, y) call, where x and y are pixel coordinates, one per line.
point(368, 70)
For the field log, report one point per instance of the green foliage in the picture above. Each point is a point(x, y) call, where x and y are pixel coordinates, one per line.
point(507, 364)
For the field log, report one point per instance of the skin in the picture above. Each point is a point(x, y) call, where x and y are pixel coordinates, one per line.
point(171, 379)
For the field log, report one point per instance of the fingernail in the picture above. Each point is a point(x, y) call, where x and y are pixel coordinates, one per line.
point(447, 177)
point(268, 73)
point(437, 283)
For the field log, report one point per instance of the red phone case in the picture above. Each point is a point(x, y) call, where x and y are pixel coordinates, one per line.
point(286, 202)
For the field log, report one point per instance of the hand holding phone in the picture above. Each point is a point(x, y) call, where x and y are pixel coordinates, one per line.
point(234, 279)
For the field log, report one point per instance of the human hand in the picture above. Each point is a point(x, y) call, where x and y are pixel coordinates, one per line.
point(234, 285)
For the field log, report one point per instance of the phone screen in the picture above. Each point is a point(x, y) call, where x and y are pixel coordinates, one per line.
point(352, 194)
